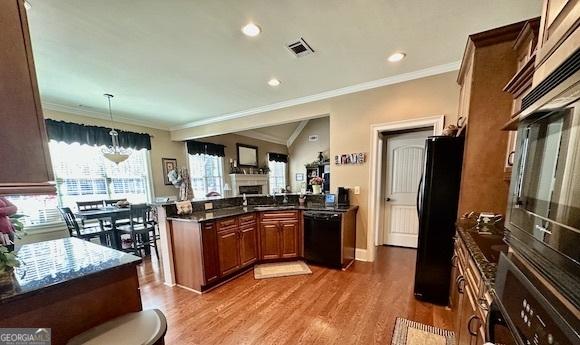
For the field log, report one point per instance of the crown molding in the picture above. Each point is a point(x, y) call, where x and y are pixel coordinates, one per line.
point(102, 116)
point(262, 136)
point(422, 73)
point(296, 132)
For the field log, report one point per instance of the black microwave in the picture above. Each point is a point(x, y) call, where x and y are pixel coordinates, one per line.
point(543, 216)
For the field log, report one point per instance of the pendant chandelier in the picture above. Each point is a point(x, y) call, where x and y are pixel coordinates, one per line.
point(114, 152)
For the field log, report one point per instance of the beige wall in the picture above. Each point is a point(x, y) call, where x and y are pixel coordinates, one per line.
point(350, 119)
point(161, 146)
point(230, 141)
point(302, 151)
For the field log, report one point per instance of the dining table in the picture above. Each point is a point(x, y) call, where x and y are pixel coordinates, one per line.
point(112, 214)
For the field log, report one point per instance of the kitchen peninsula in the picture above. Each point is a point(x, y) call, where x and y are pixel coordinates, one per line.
point(209, 247)
point(69, 285)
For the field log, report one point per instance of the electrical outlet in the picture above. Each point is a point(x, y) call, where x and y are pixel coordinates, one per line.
point(357, 190)
point(208, 205)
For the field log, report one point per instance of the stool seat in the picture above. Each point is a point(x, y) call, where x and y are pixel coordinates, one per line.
point(146, 327)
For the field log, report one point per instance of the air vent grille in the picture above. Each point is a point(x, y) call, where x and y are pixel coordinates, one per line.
point(300, 48)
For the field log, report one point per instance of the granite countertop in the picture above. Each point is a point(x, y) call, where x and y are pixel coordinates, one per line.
point(51, 263)
point(484, 246)
point(220, 213)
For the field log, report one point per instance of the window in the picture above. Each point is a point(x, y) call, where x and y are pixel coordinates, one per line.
point(206, 175)
point(84, 174)
point(277, 176)
point(39, 209)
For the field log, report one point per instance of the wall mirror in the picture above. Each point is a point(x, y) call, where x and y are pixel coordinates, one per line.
point(247, 155)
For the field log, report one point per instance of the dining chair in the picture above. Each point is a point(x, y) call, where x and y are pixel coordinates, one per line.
point(82, 231)
point(113, 202)
point(140, 227)
point(89, 205)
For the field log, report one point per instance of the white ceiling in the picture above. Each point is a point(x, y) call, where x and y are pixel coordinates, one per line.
point(172, 62)
point(279, 134)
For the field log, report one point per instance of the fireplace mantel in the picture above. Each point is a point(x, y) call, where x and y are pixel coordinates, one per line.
point(238, 180)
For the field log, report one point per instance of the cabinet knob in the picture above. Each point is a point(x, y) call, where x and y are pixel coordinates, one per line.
point(460, 284)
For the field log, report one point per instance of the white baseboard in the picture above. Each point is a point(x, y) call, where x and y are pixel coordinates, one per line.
point(361, 254)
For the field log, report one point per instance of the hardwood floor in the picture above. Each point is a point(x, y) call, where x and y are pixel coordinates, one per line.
point(358, 306)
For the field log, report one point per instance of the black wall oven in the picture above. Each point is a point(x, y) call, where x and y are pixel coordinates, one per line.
point(526, 311)
point(543, 216)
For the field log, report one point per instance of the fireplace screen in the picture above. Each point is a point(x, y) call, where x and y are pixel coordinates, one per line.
point(257, 189)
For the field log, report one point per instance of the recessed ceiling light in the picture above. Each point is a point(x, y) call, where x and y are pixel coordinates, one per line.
point(397, 57)
point(273, 82)
point(251, 30)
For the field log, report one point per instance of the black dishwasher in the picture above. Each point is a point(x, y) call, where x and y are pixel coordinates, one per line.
point(323, 238)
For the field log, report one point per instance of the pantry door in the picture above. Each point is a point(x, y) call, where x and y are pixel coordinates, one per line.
point(405, 154)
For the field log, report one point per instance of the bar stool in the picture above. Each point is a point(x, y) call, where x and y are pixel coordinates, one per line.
point(147, 327)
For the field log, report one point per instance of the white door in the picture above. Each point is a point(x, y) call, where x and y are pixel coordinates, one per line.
point(405, 154)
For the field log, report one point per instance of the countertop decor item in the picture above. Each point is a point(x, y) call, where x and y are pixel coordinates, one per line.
point(10, 226)
point(316, 183)
point(115, 153)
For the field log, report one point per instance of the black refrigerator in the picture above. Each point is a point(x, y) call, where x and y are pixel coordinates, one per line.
point(437, 202)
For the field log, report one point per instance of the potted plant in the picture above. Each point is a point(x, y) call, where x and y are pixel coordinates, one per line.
point(316, 183)
point(10, 226)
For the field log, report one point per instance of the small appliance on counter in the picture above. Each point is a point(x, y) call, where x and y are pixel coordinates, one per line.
point(343, 197)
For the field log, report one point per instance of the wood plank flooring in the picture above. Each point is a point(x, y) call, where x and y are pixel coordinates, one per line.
point(358, 306)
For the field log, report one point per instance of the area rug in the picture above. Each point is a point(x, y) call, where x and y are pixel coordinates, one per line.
point(414, 333)
point(281, 269)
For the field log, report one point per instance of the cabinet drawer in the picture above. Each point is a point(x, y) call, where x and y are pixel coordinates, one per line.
point(280, 215)
point(226, 224)
point(247, 218)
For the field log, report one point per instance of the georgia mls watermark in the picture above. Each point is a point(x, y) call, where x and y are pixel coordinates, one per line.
point(24, 336)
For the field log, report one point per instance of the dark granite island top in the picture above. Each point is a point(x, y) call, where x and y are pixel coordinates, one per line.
point(484, 246)
point(54, 263)
point(220, 213)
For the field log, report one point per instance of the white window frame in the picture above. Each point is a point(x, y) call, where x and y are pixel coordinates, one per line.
point(220, 161)
point(274, 177)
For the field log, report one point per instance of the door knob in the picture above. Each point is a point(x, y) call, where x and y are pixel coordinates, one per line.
point(388, 199)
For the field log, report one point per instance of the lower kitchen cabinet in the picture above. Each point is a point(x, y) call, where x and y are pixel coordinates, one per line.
point(280, 235)
point(465, 303)
point(289, 233)
point(270, 240)
point(248, 245)
point(229, 250)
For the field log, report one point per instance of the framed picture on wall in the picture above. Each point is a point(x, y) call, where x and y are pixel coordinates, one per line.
point(168, 164)
point(299, 177)
point(247, 155)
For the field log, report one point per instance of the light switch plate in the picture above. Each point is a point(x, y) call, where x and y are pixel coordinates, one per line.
point(356, 189)
point(208, 205)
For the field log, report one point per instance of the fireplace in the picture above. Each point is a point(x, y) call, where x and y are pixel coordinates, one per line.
point(255, 189)
point(249, 183)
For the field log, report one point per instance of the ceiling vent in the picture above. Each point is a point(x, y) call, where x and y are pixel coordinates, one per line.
point(300, 48)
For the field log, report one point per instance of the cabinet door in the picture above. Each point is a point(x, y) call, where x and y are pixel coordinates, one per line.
point(24, 149)
point(248, 246)
point(289, 239)
point(228, 247)
point(211, 267)
point(270, 240)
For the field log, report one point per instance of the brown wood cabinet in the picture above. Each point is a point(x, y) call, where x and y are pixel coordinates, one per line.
point(469, 298)
point(559, 36)
point(26, 167)
point(280, 235)
point(229, 251)
point(489, 62)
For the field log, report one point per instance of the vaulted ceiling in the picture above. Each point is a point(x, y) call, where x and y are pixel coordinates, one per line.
point(175, 62)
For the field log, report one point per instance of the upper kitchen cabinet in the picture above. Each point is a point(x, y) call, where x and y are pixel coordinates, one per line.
point(559, 36)
point(489, 62)
point(24, 155)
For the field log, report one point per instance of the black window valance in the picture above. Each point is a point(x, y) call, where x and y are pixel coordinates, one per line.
point(69, 133)
point(198, 147)
point(277, 157)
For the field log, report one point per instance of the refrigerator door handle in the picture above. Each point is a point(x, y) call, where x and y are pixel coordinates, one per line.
point(418, 196)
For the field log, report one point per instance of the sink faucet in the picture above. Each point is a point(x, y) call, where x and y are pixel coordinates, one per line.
point(274, 197)
point(285, 201)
